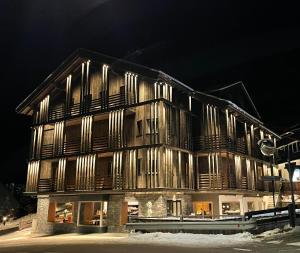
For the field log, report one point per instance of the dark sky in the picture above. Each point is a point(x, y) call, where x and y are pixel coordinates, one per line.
point(206, 44)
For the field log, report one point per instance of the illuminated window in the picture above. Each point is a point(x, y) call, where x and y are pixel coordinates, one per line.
point(93, 213)
point(60, 212)
point(231, 208)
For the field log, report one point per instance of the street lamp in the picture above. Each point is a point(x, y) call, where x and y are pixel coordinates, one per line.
point(291, 169)
point(267, 148)
point(4, 219)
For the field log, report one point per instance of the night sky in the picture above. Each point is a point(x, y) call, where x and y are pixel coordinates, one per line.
point(205, 44)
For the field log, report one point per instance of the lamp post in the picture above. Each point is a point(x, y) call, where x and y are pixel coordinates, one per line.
point(291, 168)
point(267, 148)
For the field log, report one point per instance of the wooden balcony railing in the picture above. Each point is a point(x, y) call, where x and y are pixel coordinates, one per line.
point(244, 183)
point(57, 113)
point(47, 151)
point(88, 105)
point(97, 105)
point(103, 183)
point(72, 147)
point(260, 185)
point(286, 187)
point(45, 185)
point(116, 100)
point(100, 143)
point(49, 185)
point(207, 181)
point(213, 143)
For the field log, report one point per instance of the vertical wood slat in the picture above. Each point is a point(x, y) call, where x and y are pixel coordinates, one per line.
point(58, 138)
point(68, 93)
point(86, 134)
point(85, 173)
point(37, 142)
point(60, 184)
point(32, 176)
point(44, 109)
point(118, 170)
point(131, 89)
point(116, 129)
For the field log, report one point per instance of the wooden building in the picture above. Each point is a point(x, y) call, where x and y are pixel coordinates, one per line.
point(112, 138)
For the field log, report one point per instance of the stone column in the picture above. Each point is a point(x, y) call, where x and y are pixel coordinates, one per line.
point(40, 224)
point(115, 211)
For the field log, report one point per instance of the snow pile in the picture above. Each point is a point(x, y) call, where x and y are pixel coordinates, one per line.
point(269, 234)
point(192, 240)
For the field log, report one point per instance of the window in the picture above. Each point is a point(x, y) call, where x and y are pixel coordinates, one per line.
point(250, 206)
point(139, 166)
point(202, 208)
point(231, 208)
point(151, 126)
point(133, 208)
point(60, 212)
point(139, 128)
point(173, 207)
point(93, 213)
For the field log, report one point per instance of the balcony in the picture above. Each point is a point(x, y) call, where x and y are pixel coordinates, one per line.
point(216, 182)
point(100, 143)
point(47, 151)
point(286, 187)
point(116, 100)
point(46, 185)
point(100, 104)
point(72, 147)
point(57, 113)
point(214, 143)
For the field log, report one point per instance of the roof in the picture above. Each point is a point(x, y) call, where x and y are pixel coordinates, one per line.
point(238, 94)
point(81, 55)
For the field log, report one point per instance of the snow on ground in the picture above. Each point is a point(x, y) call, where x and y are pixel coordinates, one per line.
point(16, 222)
point(168, 239)
point(192, 240)
point(278, 231)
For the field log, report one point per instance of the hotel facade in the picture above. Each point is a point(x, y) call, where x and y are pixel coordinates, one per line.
point(112, 139)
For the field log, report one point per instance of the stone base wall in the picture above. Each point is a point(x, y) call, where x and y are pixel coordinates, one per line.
point(150, 205)
point(155, 204)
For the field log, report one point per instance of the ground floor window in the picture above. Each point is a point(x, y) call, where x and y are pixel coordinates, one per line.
point(93, 213)
point(202, 208)
point(250, 206)
point(173, 207)
point(133, 208)
point(231, 208)
point(61, 212)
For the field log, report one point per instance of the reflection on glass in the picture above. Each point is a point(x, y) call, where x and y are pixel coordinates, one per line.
point(296, 175)
point(93, 213)
point(64, 212)
point(251, 206)
point(231, 208)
